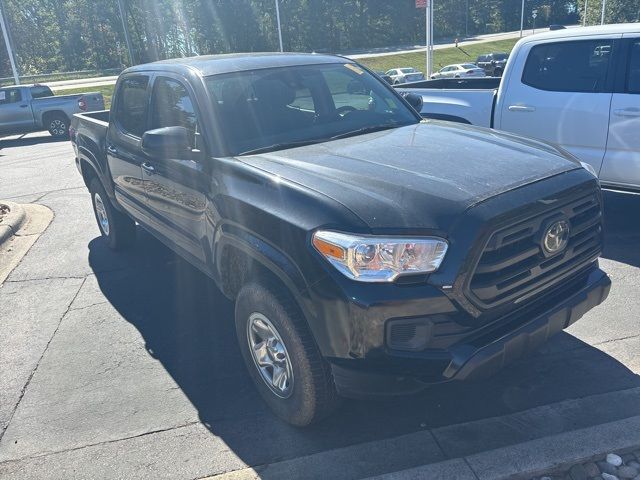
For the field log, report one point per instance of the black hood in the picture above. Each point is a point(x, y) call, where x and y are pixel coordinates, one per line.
point(417, 177)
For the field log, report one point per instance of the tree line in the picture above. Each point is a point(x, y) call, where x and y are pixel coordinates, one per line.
point(71, 35)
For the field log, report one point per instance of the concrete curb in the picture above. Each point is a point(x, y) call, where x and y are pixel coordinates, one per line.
point(12, 221)
point(530, 459)
point(531, 442)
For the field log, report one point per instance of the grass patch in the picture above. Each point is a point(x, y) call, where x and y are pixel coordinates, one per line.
point(105, 90)
point(442, 57)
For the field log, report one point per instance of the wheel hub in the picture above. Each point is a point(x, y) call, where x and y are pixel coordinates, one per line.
point(270, 355)
point(101, 213)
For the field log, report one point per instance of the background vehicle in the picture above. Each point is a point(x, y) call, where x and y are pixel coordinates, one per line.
point(404, 75)
point(493, 64)
point(367, 252)
point(459, 70)
point(384, 76)
point(28, 108)
point(579, 88)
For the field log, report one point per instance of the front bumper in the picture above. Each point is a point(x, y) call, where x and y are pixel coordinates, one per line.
point(477, 356)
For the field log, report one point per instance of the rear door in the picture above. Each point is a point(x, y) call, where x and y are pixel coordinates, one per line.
point(176, 186)
point(123, 144)
point(563, 95)
point(621, 165)
point(15, 111)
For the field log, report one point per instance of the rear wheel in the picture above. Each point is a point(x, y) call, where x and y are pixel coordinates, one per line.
point(281, 355)
point(58, 125)
point(497, 72)
point(118, 229)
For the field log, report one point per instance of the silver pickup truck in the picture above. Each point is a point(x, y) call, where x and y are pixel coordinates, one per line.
point(30, 108)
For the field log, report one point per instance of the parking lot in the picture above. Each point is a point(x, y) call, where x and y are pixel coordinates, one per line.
point(126, 365)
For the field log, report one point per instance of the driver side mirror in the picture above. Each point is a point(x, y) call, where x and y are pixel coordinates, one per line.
point(167, 142)
point(414, 100)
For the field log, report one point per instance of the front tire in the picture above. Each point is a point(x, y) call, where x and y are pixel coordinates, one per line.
point(118, 229)
point(281, 355)
point(58, 125)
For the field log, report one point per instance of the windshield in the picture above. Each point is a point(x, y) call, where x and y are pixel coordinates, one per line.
point(259, 109)
point(500, 56)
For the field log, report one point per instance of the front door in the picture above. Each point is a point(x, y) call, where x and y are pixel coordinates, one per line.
point(176, 186)
point(563, 96)
point(15, 112)
point(124, 154)
point(621, 164)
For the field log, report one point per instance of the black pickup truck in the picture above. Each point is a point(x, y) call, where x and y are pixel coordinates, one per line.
point(368, 251)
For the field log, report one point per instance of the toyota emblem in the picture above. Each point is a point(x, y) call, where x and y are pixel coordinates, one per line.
point(556, 237)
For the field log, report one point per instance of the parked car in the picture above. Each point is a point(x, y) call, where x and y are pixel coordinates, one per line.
point(493, 63)
point(459, 70)
point(384, 76)
point(404, 75)
point(367, 252)
point(29, 108)
point(579, 88)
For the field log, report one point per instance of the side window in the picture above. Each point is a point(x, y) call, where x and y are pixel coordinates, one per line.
point(633, 72)
point(579, 66)
point(10, 95)
point(40, 91)
point(131, 111)
point(172, 106)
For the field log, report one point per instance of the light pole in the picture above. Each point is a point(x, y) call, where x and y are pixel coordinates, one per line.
point(126, 32)
point(584, 17)
point(7, 43)
point(604, 6)
point(522, 19)
point(466, 20)
point(279, 26)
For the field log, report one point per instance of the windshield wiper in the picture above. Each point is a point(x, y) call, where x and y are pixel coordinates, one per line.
point(281, 146)
point(363, 130)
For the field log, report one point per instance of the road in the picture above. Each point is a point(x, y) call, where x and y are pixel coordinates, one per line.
point(125, 365)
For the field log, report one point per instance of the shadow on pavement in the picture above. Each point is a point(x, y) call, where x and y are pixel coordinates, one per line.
point(23, 141)
point(187, 325)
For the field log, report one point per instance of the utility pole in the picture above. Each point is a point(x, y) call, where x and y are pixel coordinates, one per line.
point(126, 32)
point(522, 19)
point(466, 20)
point(5, 34)
point(431, 5)
point(584, 16)
point(604, 6)
point(279, 26)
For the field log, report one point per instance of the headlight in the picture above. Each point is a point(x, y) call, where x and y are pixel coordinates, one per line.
point(589, 169)
point(380, 259)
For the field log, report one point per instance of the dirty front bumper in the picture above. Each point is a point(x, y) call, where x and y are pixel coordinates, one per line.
point(477, 355)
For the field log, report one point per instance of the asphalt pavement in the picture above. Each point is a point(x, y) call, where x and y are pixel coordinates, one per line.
point(126, 365)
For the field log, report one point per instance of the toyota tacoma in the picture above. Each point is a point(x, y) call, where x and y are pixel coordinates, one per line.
point(368, 251)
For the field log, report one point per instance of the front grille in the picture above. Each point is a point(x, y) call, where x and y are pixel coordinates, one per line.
point(513, 265)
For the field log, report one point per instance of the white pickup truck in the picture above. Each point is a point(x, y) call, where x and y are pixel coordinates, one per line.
point(578, 88)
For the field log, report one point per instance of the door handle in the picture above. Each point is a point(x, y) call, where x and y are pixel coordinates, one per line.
point(147, 167)
point(521, 108)
point(627, 112)
point(24, 106)
point(112, 150)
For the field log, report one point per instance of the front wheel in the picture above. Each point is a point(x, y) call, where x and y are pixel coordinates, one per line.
point(281, 355)
point(118, 229)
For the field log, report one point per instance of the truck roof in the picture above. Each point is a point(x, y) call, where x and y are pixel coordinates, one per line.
point(585, 31)
point(234, 62)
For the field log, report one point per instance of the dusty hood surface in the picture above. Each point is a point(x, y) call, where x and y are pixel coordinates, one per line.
point(420, 176)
